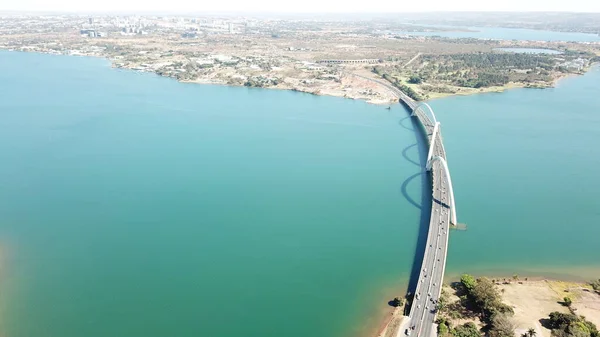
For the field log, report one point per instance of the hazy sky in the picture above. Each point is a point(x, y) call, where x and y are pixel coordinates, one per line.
point(301, 6)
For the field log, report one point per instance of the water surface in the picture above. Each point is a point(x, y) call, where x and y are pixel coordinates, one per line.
point(529, 50)
point(134, 205)
point(523, 163)
point(501, 33)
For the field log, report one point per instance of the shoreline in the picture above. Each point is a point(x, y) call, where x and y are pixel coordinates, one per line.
point(293, 89)
point(392, 318)
point(508, 86)
point(322, 91)
point(466, 92)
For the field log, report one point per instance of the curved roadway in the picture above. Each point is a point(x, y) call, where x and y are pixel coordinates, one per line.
point(423, 309)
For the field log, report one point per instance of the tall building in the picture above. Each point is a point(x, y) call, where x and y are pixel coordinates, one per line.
point(230, 28)
point(91, 21)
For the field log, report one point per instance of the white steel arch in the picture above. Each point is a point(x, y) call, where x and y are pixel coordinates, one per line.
point(436, 128)
point(423, 104)
point(450, 189)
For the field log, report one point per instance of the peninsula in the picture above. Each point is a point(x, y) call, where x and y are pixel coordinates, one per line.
point(329, 56)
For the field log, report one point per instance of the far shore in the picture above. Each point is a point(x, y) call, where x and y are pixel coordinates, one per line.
point(464, 91)
point(508, 86)
point(385, 97)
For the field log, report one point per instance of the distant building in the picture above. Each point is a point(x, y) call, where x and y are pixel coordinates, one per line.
point(92, 33)
point(91, 21)
point(577, 64)
point(189, 35)
point(88, 32)
point(230, 28)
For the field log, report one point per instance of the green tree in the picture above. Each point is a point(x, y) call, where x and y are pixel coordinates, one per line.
point(567, 302)
point(502, 326)
point(595, 285)
point(415, 79)
point(466, 330)
point(531, 332)
point(468, 281)
point(485, 295)
point(443, 327)
point(560, 321)
point(441, 304)
point(443, 330)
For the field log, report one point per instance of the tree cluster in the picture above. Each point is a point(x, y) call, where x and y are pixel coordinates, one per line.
point(571, 325)
point(261, 82)
point(478, 70)
point(596, 285)
point(415, 79)
point(482, 80)
point(485, 299)
point(466, 330)
point(398, 84)
point(498, 61)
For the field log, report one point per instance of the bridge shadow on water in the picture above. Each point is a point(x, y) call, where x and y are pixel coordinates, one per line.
point(424, 200)
point(407, 120)
point(405, 154)
point(404, 190)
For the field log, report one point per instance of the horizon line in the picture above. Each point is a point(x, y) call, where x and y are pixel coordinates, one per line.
point(222, 12)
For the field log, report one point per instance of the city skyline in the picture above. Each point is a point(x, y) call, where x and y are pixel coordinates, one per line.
point(307, 6)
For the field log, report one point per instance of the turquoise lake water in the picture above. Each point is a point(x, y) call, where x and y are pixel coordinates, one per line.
point(529, 50)
point(501, 33)
point(133, 205)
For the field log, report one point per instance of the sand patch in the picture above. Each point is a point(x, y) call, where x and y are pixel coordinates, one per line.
point(534, 300)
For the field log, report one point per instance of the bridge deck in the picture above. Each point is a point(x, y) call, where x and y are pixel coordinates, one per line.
point(423, 311)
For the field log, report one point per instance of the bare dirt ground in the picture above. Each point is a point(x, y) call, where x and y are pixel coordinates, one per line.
point(588, 305)
point(394, 324)
point(534, 300)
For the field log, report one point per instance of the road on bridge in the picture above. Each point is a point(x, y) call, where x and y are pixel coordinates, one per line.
point(431, 276)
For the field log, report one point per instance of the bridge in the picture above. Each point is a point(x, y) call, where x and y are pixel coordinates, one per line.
point(369, 61)
point(423, 310)
point(420, 321)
